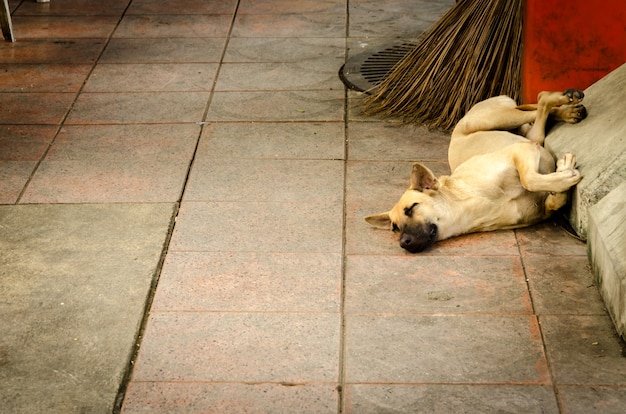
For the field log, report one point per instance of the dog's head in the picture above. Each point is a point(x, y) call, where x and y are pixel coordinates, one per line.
point(414, 218)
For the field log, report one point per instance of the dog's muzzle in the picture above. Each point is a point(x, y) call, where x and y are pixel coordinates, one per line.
point(416, 240)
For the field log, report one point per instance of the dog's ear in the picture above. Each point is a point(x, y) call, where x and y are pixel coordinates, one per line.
point(423, 178)
point(380, 221)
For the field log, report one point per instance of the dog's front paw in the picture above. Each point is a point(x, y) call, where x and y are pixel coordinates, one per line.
point(566, 162)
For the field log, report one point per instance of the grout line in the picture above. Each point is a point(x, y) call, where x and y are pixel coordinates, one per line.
point(61, 123)
point(166, 244)
point(128, 372)
point(205, 113)
point(551, 372)
point(341, 387)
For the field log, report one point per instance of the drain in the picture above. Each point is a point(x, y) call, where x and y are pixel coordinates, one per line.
point(363, 72)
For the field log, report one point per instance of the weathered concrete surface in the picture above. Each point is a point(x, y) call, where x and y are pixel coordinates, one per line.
point(73, 285)
point(598, 211)
point(607, 252)
point(599, 143)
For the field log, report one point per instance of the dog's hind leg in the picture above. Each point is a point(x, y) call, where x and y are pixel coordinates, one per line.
point(494, 114)
point(546, 103)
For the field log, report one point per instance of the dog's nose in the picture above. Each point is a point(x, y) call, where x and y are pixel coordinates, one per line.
point(406, 240)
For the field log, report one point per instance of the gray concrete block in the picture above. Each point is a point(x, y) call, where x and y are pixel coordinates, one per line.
point(597, 210)
point(73, 286)
point(607, 252)
point(599, 143)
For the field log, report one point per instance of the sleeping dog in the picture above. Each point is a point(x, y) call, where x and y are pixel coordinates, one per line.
point(500, 179)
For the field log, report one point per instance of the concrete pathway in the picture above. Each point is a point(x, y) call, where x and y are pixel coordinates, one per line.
point(183, 186)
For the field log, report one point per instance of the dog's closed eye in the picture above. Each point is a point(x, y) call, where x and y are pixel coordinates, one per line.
point(408, 211)
point(395, 228)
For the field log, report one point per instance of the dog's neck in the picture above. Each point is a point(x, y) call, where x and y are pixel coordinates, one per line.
point(459, 210)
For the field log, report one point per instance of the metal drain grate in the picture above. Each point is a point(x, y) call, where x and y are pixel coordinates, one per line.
point(363, 72)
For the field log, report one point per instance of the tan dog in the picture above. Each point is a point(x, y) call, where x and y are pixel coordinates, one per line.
point(499, 180)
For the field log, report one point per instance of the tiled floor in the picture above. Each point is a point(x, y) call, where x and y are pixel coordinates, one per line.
point(274, 295)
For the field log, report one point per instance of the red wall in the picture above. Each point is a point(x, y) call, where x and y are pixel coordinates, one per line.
point(571, 44)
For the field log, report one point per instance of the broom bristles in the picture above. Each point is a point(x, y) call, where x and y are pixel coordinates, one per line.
point(472, 53)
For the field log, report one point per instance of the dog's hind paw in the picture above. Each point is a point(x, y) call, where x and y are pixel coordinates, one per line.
point(571, 114)
point(574, 95)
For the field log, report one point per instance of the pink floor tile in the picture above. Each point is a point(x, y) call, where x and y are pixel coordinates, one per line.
point(118, 163)
point(187, 7)
point(252, 282)
point(129, 108)
point(429, 284)
point(35, 108)
point(73, 8)
point(77, 51)
point(152, 77)
point(42, 77)
point(264, 106)
point(289, 25)
point(229, 398)
point(394, 348)
point(163, 25)
point(563, 285)
point(64, 27)
point(240, 347)
point(444, 399)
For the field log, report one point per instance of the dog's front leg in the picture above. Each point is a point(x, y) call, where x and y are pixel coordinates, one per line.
point(555, 201)
point(527, 158)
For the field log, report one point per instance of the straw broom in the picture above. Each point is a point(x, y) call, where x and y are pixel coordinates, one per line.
point(470, 54)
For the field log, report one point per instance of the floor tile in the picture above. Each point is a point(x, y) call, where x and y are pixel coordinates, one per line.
point(163, 50)
point(549, 239)
point(42, 77)
point(35, 108)
point(290, 7)
point(583, 400)
point(249, 282)
point(64, 27)
point(153, 77)
point(165, 25)
point(13, 177)
point(24, 142)
point(318, 75)
point(277, 106)
point(185, 7)
point(369, 19)
point(445, 399)
point(76, 51)
point(73, 8)
point(584, 350)
point(393, 141)
point(239, 347)
point(427, 284)
point(21, 147)
point(197, 398)
point(289, 25)
point(151, 107)
point(283, 49)
point(563, 285)
point(444, 349)
point(119, 163)
point(295, 181)
point(302, 140)
point(74, 279)
point(254, 226)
